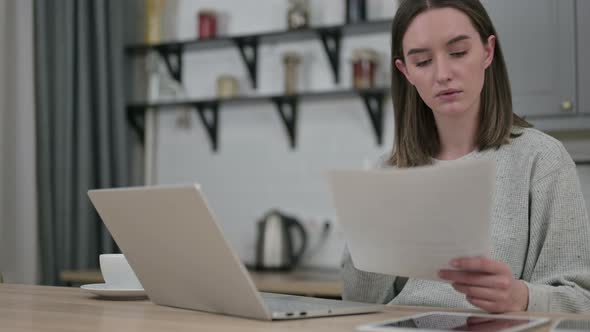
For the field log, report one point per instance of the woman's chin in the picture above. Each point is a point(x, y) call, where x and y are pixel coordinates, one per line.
point(451, 110)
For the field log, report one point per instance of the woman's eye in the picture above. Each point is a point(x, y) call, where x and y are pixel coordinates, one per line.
point(423, 63)
point(458, 54)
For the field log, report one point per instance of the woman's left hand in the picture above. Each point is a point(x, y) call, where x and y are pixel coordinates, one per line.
point(487, 284)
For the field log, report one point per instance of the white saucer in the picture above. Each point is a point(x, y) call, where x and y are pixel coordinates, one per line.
point(105, 291)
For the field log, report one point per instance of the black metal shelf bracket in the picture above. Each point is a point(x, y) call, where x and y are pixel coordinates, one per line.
point(287, 106)
point(136, 118)
point(173, 58)
point(374, 105)
point(209, 114)
point(248, 47)
point(331, 41)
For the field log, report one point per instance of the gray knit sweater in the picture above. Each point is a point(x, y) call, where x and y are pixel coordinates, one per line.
point(539, 227)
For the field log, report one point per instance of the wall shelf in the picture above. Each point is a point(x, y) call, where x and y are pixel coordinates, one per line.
point(286, 105)
point(247, 45)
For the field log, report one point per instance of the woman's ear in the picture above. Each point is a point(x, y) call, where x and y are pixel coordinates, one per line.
point(489, 49)
point(401, 66)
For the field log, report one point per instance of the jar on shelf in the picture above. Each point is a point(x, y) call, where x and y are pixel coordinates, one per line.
point(364, 68)
point(298, 14)
point(153, 29)
point(207, 26)
point(291, 61)
point(356, 11)
point(227, 86)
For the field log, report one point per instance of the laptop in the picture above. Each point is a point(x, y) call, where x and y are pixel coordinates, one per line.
point(174, 244)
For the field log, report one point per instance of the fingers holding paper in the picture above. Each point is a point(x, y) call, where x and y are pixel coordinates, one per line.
point(488, 284)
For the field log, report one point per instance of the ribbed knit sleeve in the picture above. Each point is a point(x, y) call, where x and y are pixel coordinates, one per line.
point(558, 261)
point(364, 286)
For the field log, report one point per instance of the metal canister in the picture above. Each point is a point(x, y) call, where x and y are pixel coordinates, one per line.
point(227, 86)
point(356, 11)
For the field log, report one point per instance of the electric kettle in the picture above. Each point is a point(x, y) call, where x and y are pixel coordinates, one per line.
point(276, 240)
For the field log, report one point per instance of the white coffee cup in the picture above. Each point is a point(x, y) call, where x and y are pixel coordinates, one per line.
point(117, 272)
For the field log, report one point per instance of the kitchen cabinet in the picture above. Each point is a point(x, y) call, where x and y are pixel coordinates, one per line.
point(583, 46)
point(538, 38)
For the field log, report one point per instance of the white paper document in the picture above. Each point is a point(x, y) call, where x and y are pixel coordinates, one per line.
point(413, 222)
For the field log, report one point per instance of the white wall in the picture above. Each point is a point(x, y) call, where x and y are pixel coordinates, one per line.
point(18, 209)
point(255, 170)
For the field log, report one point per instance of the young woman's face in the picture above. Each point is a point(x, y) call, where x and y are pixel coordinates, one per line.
point(446, 60)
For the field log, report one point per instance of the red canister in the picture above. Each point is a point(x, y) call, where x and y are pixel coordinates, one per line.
point(207, 24)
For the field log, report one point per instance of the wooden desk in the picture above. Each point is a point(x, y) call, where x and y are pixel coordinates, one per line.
point(311, 282)
point(43, 308)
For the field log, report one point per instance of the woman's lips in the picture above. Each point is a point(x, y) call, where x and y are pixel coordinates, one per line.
point(449, 95)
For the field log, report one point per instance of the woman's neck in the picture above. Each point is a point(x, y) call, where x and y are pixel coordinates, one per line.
point(457, 135)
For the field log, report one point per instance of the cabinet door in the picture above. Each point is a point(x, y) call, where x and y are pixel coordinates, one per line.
point(538, 40)
point(583, 46)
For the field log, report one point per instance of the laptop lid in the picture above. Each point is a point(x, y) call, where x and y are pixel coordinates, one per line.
point(170, 238)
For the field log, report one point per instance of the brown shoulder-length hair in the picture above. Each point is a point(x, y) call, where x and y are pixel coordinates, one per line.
point(416, 135)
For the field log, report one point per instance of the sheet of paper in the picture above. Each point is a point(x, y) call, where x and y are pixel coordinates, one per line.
point(413, 222)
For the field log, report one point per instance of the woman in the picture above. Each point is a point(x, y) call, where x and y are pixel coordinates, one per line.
point(452, 101)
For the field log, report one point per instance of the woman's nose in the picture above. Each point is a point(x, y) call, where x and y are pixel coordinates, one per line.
point(442, 71)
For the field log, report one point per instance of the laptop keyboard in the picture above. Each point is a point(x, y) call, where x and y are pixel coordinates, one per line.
point(292, 303)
